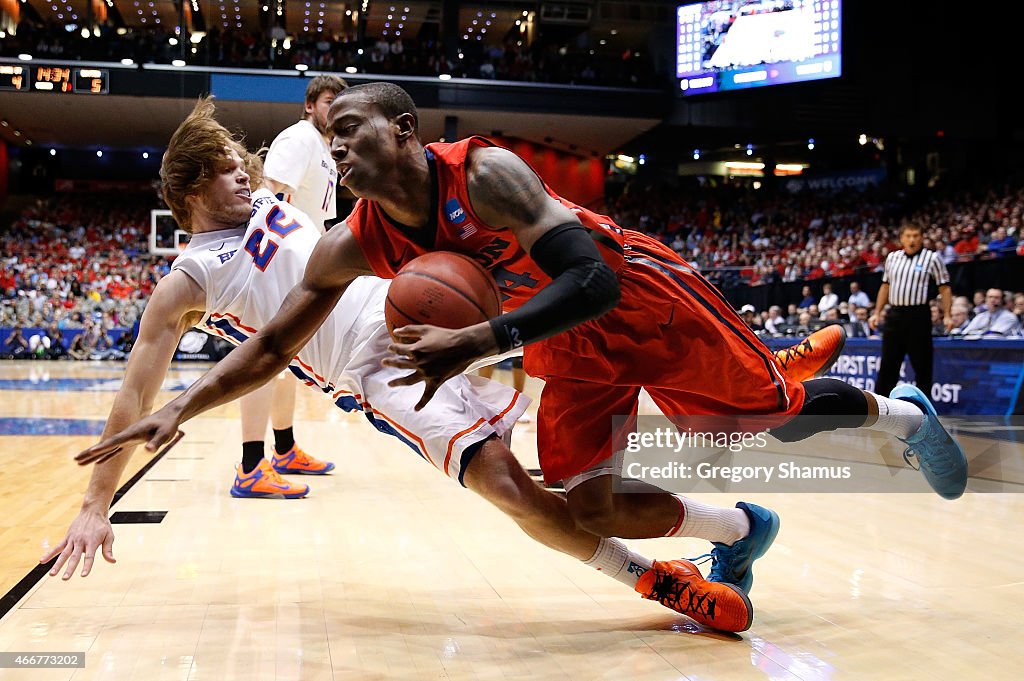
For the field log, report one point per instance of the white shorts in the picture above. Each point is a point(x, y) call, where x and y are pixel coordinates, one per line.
point(465, 411)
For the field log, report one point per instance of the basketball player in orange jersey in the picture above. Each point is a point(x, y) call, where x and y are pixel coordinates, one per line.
point(247, 252)
point(601, 312)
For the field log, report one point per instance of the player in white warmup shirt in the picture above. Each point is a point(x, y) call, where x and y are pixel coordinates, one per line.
point(298, 169)
point(299, 166)
point(247, 253)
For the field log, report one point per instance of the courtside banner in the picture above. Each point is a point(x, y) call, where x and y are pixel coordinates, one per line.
point(691, 454)
point(970, 377)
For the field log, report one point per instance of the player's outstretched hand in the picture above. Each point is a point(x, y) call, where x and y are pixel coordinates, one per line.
point(88, 532)
point(155, 430)
point(434, 354)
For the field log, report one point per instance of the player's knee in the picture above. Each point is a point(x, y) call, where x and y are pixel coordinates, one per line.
point(602, 522)
point(828, 404)
point(594, 515)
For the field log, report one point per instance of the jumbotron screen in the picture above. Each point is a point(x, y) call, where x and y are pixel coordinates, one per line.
point(724, 45)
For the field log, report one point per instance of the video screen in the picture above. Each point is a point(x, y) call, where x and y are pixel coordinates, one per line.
point(731, 45)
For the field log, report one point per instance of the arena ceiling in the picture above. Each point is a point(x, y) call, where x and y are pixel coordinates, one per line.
point(121, 122)
point(389, 18)
point(297, 16)
point(614, 25)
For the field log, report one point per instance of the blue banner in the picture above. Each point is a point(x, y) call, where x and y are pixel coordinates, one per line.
point(971, 378)
point(834, 182)
point(246, 88)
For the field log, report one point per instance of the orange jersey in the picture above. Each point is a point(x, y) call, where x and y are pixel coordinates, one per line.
point(455, 227)
point(672, 333)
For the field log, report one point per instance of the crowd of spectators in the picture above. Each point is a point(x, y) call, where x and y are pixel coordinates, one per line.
point(512, 60)
point(76, 268)
point(739, 236)
point(989, 314)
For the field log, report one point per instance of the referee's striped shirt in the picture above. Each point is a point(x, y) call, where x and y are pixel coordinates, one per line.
point(907, 276)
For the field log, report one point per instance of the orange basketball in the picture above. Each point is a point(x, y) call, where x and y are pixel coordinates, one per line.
point(444, 289)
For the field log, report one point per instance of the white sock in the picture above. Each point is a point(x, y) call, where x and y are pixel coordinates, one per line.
point(615, 560)
point(722, 525)
point(897, 417)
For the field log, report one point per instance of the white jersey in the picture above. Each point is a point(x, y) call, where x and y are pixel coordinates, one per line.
point(246, 272)
point(300, 158)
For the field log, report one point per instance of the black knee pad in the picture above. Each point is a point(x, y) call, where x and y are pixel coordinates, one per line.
point(832, 404)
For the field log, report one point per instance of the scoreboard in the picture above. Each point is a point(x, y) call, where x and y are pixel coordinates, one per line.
point(58, 79)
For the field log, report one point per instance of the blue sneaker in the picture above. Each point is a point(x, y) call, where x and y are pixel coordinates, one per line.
point(734, 564)
point(942, 461)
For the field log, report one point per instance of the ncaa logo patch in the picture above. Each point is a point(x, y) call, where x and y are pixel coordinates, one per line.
point(454, 211)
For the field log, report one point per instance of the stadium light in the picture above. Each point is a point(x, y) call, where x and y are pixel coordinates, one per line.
point(744, 165)
point(351, 69)
point(127, 62)
point(99, 153)
point(53, 152)
point(178, 62)
point(301, 67)
point(24, 56)
point(445, 76)
point(145, 154)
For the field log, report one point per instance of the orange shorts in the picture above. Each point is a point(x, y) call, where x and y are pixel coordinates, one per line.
point(672, 334)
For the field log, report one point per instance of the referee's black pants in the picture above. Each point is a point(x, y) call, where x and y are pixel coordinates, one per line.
point(908, 331)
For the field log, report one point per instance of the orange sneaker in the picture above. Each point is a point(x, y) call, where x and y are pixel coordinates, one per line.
point(264, 482)
point(679, 586)
point(297, 461)
point(813, 356)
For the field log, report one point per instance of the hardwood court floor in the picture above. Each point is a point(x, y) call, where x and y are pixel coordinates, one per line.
point(390, 571)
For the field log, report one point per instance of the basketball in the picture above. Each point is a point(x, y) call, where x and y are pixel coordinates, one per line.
point(444, 289)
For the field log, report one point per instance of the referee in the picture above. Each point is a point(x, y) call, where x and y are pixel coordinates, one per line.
point(908, 325)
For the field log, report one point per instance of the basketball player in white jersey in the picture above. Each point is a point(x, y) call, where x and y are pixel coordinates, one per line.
point(298, 169)
point(246, 254)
